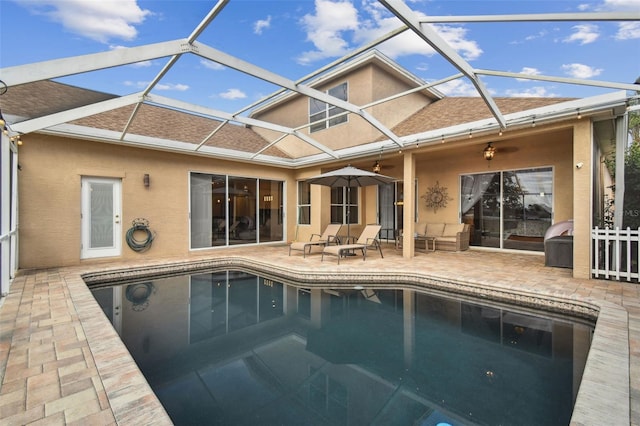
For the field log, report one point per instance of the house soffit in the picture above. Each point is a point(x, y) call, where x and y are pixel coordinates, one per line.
point(146, 119)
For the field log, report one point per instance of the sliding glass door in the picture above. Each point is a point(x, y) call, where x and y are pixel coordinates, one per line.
point(510, 209)
point(228, 210)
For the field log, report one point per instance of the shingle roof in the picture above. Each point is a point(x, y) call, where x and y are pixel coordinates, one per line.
point(42, 98)
point(448, 112)
point(46, 97)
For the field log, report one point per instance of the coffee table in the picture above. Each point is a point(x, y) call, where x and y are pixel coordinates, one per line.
point(424, 243)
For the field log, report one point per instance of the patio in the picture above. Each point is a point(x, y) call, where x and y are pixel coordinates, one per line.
point(63, 363)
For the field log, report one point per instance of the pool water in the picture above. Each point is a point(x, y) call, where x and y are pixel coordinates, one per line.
point(232, 348)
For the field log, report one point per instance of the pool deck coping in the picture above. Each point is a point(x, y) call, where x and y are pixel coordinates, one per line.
point(62, 359)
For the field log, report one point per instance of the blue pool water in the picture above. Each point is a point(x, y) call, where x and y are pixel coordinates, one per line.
point(232, 348)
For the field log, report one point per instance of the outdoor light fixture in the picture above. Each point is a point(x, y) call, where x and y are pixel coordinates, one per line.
point(377, 167)
point(489, 152)
point(146, 180)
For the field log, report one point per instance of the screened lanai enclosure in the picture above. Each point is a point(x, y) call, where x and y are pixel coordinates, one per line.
point(507, 207)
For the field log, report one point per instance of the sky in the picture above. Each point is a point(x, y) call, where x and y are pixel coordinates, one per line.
point(293, 38)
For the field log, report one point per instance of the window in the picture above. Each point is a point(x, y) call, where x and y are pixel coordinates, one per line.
point(344, 205)
point(511, 209)
point(323, 115)
point(304, 203)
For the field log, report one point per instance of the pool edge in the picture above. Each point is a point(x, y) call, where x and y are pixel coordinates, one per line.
point(606, 372)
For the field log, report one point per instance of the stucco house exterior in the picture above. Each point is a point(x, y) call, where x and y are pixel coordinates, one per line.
point(201, 183)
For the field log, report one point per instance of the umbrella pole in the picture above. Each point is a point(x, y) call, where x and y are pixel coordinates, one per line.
point(348, 203)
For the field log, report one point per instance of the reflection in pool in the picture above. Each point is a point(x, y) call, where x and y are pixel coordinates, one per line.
point(228, 347)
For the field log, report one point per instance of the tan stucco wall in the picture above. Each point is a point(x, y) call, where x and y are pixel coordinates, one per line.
point(582, 196)
point(52, 168)
point(514, 151)
point(50, 196)
point(365, 85)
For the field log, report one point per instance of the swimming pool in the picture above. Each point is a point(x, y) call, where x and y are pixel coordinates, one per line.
point(231, 347)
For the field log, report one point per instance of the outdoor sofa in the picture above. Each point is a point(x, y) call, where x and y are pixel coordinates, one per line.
point(447, 236)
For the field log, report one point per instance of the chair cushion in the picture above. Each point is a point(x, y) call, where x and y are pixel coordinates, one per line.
point(421, 228)
point(434, 229)
point(451, 229)
point(301, 245)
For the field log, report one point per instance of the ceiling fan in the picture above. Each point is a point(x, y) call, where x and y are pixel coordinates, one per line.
point(489, 151)
point(378, 166)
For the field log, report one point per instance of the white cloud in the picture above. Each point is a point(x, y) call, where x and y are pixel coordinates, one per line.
point(98, 20)
point(581, 70)
point(457, 87)
point(528, 71)
point(326, 29)
point(172, 87)
point(160, 86)
point(336, 25)
point(233, 94)
point(622, 4)
point(539, 34)
point(585, 34)
point(137, 84)
point(628, 31)
point(533, 92)
point(261, 25)
point(211, 65)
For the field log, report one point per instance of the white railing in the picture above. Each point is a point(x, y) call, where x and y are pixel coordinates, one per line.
point(615, 254)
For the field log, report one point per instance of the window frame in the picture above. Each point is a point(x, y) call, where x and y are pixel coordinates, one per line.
point(323, 115)
point(345, 204)
point(300, 205)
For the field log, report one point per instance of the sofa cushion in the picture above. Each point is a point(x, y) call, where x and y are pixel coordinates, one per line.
point(447, 239)
point(434, 229)
point(421, 228)
point(451, 229)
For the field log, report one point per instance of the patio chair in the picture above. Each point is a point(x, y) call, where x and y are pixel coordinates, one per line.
point(329, 236)
point(368, 239)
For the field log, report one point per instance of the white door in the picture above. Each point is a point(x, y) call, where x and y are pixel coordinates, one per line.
point(101, 217)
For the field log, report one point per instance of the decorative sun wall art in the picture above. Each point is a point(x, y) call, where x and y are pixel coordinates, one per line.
point(437, 197)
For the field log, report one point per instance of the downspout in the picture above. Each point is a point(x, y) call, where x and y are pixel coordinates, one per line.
point(622, 123)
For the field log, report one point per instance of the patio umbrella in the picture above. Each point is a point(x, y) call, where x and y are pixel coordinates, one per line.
point(349, 177)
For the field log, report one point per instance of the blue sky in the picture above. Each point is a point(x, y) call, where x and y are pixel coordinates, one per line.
point(293, 38)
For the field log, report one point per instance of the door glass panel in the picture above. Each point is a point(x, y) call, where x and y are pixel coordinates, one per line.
point(527, 208)
point(271, 204)
point(480, 201)
point(102, 215)
point(386, 207)
point(205, 230)
point(242, 211)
